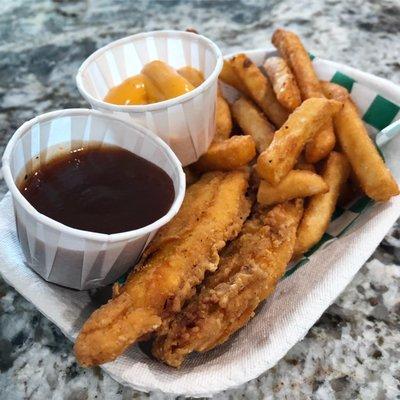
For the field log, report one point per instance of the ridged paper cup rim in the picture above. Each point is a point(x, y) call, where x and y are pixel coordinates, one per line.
point(162, 104)
point(94, 236)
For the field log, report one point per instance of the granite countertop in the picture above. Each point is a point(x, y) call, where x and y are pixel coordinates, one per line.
point(353, 351)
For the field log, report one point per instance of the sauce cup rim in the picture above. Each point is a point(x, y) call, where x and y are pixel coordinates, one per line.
point(161, 104)
point(93, 236)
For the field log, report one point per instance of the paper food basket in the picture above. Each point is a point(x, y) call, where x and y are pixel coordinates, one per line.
point(307, 289)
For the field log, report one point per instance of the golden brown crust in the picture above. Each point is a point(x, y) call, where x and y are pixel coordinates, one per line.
point(247, 273)
point(213, 212)
point(260, 89)
point(227, 155)
point(283, 81)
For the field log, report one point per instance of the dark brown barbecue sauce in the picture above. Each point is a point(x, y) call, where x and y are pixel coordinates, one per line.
point(100, 189)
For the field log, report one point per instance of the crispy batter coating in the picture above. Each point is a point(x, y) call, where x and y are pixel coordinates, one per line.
point(212, 213)
point(248, 272)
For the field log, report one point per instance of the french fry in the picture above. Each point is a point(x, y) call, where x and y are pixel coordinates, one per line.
point(192, 75)
point(370, 170)
point(280, 157)
point(322, 144)
point(260, 89)
point(296, 184)
point(227, 155)
point(293, 51)
point(319, 211)
point(304, 166)
point(223, 119)
point(222, 112)
point(229, 76)
point(334, 91)
point(166, 79)
point(253, 122)
point(283, 82)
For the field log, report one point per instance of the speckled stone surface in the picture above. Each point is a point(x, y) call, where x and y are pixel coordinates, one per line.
point(353, 351)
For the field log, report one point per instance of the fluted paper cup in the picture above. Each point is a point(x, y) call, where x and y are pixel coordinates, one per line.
point(61, 254)
point(186, 123)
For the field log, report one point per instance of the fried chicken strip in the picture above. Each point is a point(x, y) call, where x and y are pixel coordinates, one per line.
point(212, 213)
point(248, 272)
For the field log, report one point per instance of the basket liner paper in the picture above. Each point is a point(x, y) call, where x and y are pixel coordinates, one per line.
point(309, 287)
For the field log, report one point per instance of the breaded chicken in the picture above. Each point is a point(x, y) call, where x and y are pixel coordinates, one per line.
point(212, 213)
point(248, 272)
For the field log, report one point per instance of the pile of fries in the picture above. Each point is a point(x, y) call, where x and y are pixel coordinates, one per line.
point(303, 147)
point(308, 135)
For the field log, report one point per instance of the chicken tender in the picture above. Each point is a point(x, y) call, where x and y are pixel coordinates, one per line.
point(212, 213)
point(248, 272)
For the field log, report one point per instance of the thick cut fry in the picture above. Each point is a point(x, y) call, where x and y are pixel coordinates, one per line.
point(223, 119)
point(283, 82)
point(293, 51)
point(227, 155)
point(212, 213)
point(372, 174)
point(303, 165)
point(319, 211)
point(260, 89)
point(222, 112)
point(322, 144)
point(282, 154)
point(229, 76)
point(253, 123)
point(334, 91)
point(192, 75)
point(248, 273)
point(166, 79)
point(296, 184)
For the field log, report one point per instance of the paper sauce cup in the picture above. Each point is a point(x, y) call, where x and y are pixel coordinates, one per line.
point(61, 254)
point(186, 123)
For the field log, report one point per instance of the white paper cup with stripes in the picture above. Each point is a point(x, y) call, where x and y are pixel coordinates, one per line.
point(61, 254)
point(186, 123)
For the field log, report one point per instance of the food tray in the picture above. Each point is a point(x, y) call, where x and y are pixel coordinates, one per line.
point(308, 288)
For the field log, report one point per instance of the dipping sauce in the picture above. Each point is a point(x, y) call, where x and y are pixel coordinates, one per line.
point(100, 189)
point(156, 82)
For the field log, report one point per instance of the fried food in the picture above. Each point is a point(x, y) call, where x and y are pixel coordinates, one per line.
point(322, 144)
point(319, 210)
point(166, 79)
point(373, 175)
point(226, 155)
point(248, 272)
point(283, 82)
point(253, 123)
point(334, 91)
point(296, 184)
point(260, 89)
point(223, 118)
point(212, 213)
point(280, 157)
point(228, 75)
point(293, 51)
point(192, 75)
point(305, 166)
